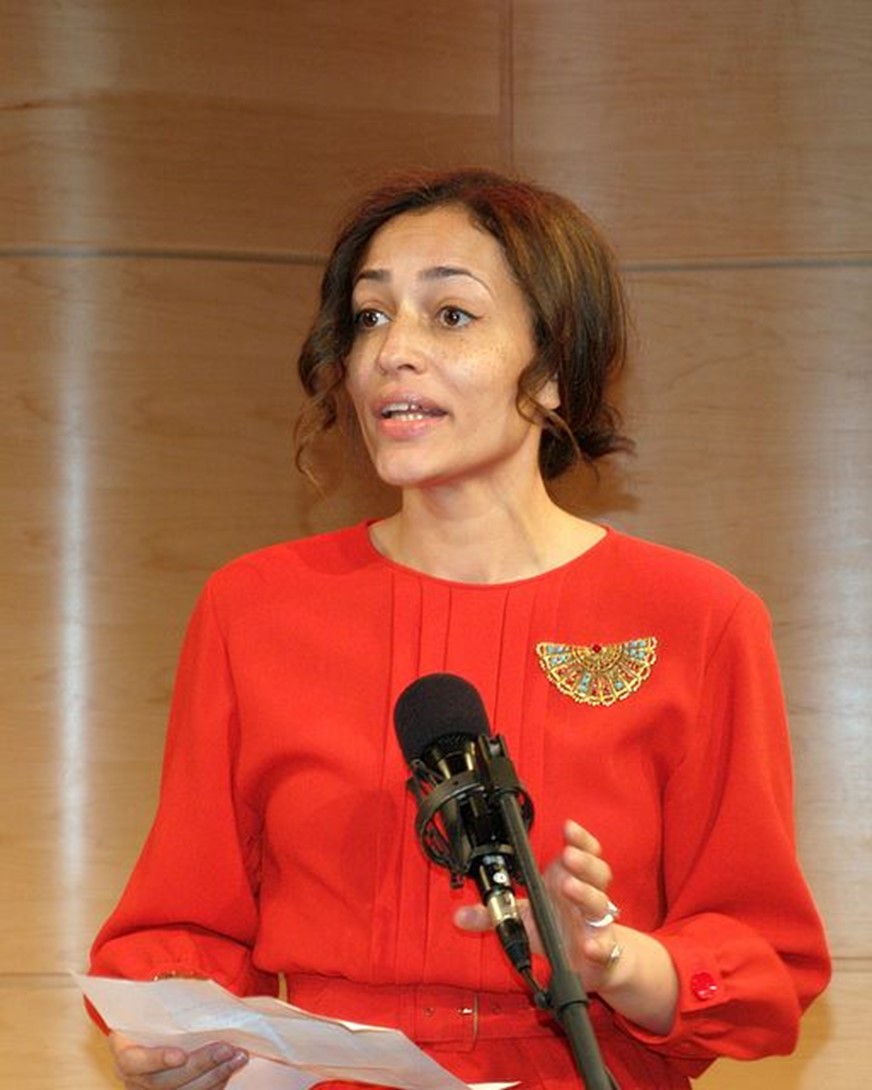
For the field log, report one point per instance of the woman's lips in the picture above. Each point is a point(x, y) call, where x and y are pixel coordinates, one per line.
point(407, 417)
point(407, 409)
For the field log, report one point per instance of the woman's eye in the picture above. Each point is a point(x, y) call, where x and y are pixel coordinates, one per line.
point(368, 318)
point(455, 317)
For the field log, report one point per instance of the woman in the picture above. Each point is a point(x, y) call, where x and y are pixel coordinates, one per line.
point(471, 326)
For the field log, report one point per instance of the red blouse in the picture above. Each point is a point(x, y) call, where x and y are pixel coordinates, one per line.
point(284, 841)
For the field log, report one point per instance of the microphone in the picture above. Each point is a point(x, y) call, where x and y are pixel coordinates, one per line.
point(444, 734)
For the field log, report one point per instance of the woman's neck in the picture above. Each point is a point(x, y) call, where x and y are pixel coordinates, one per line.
point(480, 539)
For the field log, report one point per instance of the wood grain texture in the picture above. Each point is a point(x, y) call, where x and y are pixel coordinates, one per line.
point(227, 126)
point(145, 431)
point(47, 1040)
point(702, 130)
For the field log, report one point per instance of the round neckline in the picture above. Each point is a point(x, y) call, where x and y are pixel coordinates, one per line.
point(396, 566)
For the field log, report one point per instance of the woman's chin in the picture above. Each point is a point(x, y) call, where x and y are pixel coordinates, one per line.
point(403, 472)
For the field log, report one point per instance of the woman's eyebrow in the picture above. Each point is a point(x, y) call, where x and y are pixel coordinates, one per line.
point(434, 272)
point(381, 276)
point(442, 272)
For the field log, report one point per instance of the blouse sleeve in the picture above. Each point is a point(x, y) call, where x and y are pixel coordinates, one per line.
point(190, 907)
point(741, 926)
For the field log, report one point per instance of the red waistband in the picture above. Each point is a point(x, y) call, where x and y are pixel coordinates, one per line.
point(429, 1014)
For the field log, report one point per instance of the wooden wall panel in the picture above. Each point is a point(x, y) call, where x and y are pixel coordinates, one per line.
point(46, 1039)
point(697, 129)
point(147, 417)
point(226, 125)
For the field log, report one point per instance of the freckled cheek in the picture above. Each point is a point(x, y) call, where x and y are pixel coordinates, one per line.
point(488, 379)
point(475, 372)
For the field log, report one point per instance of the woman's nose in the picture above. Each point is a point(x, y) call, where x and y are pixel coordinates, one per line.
point(400, 347)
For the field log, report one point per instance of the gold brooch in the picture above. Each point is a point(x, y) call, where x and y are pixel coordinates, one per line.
point(598, 674)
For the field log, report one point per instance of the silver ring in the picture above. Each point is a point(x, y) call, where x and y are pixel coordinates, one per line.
point(611, 914)
point(614, 954)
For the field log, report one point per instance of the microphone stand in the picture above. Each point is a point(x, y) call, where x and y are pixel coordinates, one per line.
point(566, 997)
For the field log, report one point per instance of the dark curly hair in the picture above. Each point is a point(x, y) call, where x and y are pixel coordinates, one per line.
point(566, 271)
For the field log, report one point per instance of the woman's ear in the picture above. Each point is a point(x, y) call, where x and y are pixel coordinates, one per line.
point(549, 396)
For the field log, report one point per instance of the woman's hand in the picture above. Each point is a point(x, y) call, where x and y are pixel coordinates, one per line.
point(206, 1068)
point(577, 882)
point(631, 970)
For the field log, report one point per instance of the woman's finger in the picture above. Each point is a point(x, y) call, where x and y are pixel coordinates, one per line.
point(206, 1068)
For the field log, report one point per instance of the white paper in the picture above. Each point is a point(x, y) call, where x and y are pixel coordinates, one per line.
point(289, 1048)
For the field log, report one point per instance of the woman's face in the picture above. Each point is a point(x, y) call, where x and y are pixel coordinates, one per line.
point(443, 332)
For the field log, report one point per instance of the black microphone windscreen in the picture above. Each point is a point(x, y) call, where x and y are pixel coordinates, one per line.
point(438, 707)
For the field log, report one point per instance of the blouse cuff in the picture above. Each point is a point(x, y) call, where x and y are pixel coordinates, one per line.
point(730, 1002)
point(153, 955)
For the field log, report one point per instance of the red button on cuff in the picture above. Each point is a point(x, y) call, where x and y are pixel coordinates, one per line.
point(704, 986)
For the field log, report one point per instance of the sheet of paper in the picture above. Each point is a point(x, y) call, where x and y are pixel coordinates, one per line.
point(290, 1049)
